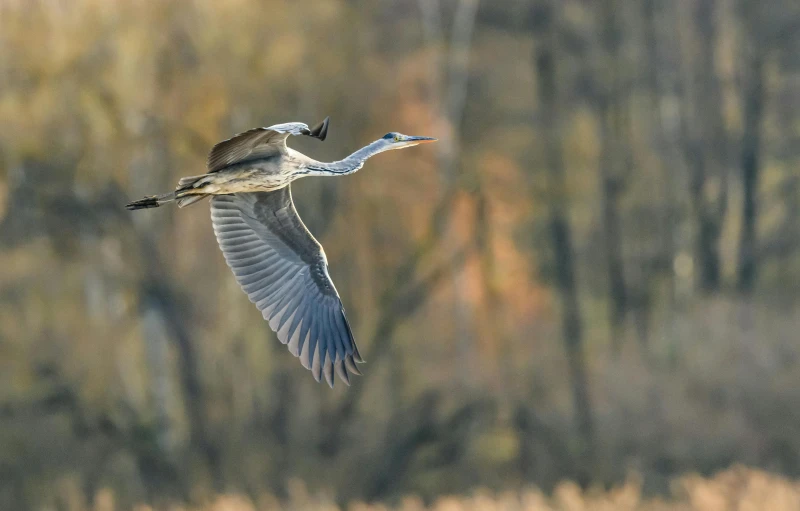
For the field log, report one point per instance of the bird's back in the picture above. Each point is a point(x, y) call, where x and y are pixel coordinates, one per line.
point(262, 175)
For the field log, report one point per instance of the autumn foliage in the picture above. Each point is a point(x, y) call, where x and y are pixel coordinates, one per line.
point(592, 277)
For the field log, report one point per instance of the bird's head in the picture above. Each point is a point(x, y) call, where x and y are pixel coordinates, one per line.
point(396, 140)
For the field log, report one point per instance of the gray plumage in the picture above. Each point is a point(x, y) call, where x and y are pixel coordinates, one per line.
point(260, 143)
point(284, 271)
point(274, 258)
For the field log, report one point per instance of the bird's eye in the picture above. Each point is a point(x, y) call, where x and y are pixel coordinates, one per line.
point(397, 138)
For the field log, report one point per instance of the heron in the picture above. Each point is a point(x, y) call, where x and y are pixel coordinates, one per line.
point(275, 259)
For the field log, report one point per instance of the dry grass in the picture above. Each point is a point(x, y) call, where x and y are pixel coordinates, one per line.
point(738, 488)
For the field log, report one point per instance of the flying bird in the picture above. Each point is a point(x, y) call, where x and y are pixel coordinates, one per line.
point(275, 259)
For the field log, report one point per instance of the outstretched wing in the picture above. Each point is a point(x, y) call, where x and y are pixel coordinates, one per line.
point(260, 143)
point(284, 271)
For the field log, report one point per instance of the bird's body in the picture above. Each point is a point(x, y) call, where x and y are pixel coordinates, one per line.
point(273, 256)
point(264, 175)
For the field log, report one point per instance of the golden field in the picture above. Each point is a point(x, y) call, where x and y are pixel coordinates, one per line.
point(736, 489)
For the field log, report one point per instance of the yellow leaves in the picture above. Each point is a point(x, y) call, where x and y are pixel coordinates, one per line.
point(499, 445)
point(581, 141)
point(206, 106)
point(285, 54)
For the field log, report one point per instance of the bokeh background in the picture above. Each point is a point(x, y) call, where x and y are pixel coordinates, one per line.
point(590, 282)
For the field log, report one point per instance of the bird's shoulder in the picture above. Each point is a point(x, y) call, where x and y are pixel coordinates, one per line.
point(258, 143)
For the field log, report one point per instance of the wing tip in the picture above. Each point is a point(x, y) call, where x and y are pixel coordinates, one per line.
point(320, 131)
point(327, 370)
point(351, 365)
point(341, 372)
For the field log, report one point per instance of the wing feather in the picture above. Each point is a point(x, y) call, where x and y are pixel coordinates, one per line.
point(260, 143)
point(283, 270)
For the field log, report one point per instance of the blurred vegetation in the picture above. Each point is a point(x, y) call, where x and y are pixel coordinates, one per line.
point(594, 273)
point(736, 488)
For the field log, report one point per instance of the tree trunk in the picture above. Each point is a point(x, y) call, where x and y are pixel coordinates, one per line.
point(705, 145)
point(561, 236)
point(750, 161)
point(614, 166)
point(660, 83)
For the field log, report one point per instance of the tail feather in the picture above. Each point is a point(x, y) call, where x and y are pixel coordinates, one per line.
point(151, 201)
point(188, 192)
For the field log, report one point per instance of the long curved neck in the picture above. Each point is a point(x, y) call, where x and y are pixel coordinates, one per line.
point(350, 164)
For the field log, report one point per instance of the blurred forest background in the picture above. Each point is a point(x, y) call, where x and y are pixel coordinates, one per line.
point(592, 276)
